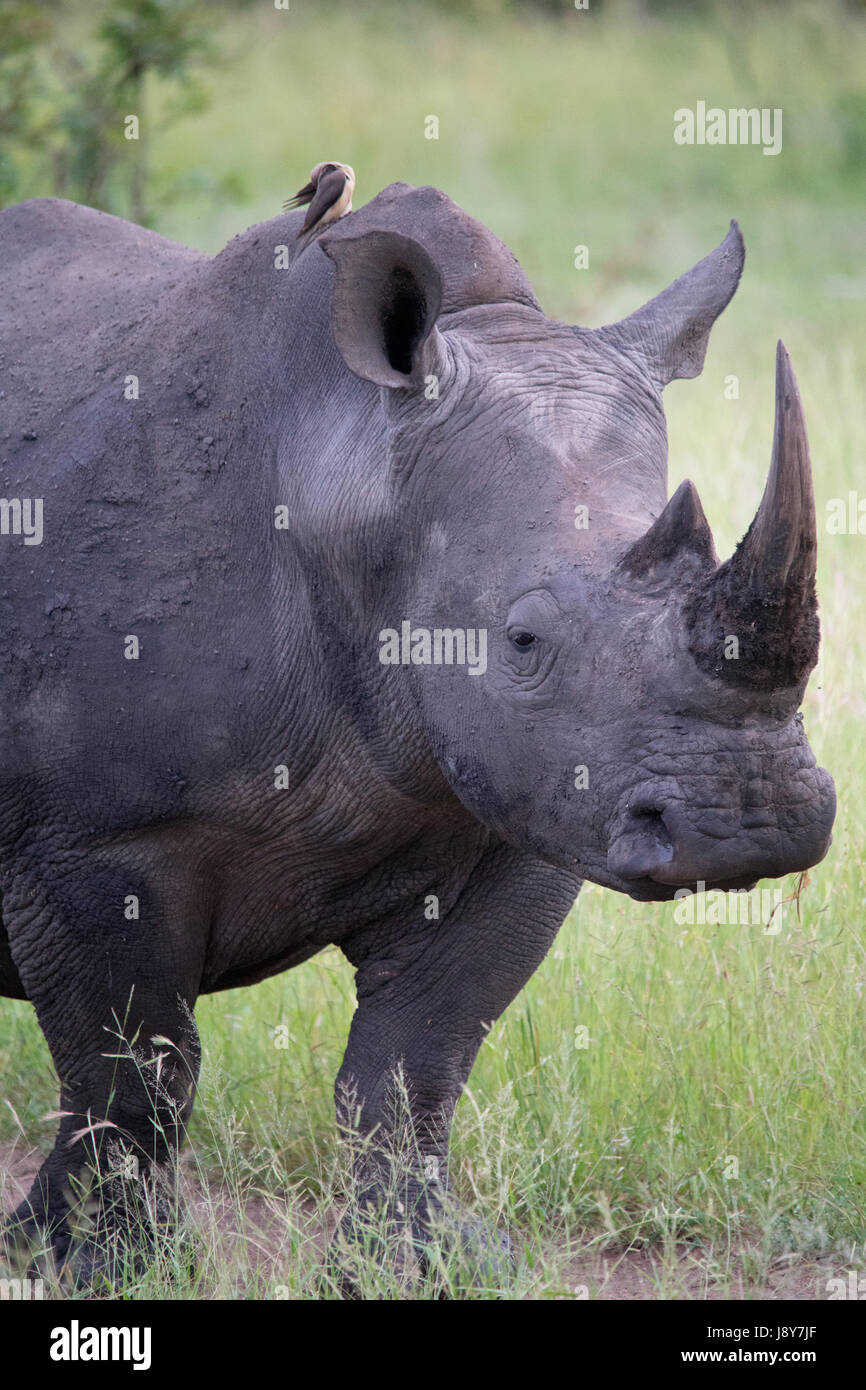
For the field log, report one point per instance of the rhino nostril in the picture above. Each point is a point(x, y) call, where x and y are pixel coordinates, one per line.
point(650, 818)
point(644, 844)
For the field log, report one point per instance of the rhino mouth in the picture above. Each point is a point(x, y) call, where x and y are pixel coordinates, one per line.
point(662, 849)
point(649, 890)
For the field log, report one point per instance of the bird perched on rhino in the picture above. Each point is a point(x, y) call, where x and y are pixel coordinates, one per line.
point(329, 194)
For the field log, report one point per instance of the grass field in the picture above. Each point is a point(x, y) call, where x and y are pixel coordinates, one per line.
point(716, 1117)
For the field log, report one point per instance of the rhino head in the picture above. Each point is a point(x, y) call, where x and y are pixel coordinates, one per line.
point(637, 715)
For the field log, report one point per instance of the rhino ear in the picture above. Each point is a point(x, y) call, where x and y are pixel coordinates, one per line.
point(387, 296)
point(670, 332)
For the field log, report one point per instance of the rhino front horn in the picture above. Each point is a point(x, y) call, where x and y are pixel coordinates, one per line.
point(756, 619)
point(780, 549)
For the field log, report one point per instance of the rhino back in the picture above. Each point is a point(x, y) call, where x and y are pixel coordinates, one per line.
point(75, 283)
point(137, 531)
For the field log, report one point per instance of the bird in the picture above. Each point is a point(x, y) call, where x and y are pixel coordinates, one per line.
point(329, 194)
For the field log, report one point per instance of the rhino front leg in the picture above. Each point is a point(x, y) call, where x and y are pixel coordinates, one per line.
point(426, 998)
point(114, 1002)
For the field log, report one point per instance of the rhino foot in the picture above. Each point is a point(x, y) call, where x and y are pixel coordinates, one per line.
point(440, 1251)
point(100, 1237)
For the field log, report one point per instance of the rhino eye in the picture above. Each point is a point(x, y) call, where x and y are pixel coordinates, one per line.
point(522, 638)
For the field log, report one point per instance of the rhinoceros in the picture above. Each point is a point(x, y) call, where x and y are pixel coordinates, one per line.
point(343, 603)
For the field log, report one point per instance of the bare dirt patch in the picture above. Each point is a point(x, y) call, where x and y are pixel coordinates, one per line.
point(689, 1273)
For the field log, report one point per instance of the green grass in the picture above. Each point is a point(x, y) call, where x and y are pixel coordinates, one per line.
point(705, 1043)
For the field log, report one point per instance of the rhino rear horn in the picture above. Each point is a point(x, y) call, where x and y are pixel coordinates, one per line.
point(386, 300)
point(765, 594)
point(680, 533)
point(670, 333)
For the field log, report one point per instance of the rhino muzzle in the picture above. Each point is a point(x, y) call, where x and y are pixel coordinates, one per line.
point(665, 846)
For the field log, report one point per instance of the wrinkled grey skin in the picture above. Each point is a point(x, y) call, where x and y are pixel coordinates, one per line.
point(259, 647)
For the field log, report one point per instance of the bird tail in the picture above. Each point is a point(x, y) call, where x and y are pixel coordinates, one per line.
point(302, 197)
